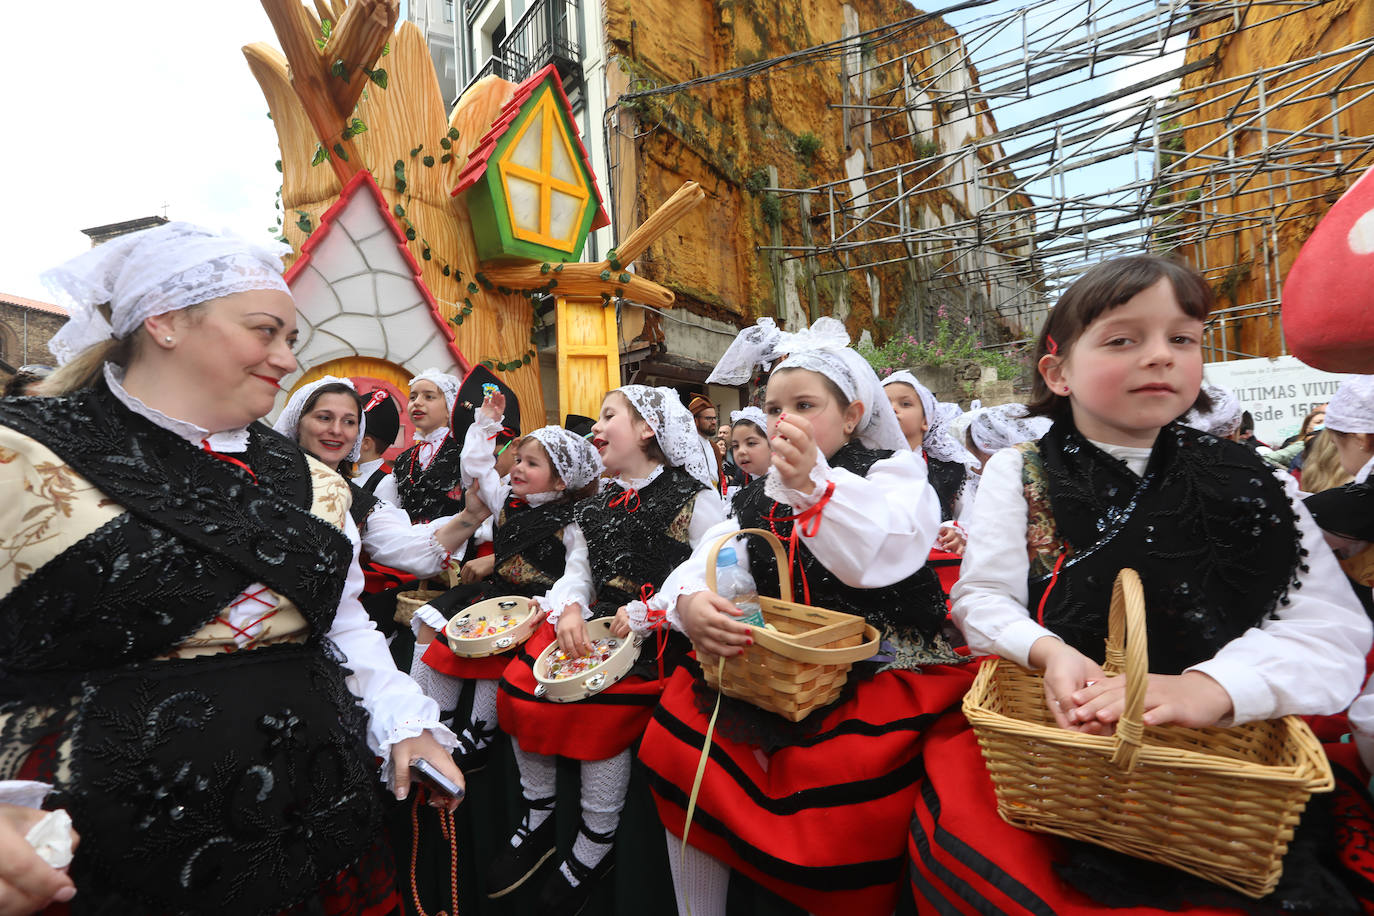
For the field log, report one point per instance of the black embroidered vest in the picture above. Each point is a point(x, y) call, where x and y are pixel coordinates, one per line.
point(630, 549)
point(528, 546)
point(425, 492)
point(917, 603)
point(1208, 527)
point(363, 504)
point(947, 478)
point(224, 782)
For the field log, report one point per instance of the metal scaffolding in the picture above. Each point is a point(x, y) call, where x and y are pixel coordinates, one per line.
point(1042, 139)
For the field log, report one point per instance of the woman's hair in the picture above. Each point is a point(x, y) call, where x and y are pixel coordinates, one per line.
point(1100, 289)
point(569, 494)
point(345, 466)
point(1307, 420)
point(1321, 464)
point(651, 447)
point(86, 368)
point(24, 376)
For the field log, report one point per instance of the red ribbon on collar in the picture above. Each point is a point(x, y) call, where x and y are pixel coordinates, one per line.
point(807, 523)
point(205, 444)
point(624, 500)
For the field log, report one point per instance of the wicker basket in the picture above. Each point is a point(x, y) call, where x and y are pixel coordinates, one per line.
point(407, 603)
point(1220, 803)
point(797, 667)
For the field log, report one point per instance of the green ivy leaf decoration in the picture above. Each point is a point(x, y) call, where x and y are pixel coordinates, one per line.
point(326, 27)
point(304, 224)
point(453, 133)
point(340, 152)
point(558, 269)
point(399, 210)
point(337, 69)
point(428, 161)
point(358, 127)
point(624, 278)
point(410, 235)
point(605, 276)
point(545, 267)
point(446, 157)
point(278, 165)
point(386, 49)
point(320, 155)
point(415, 152)
point(474, 288)
point(446, 143)
point(447, 270)
point(424, 253)
point(377, 76)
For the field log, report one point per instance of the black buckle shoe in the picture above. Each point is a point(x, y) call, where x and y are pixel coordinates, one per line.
point(516, 864)
point(559, 897)
point(473, 752)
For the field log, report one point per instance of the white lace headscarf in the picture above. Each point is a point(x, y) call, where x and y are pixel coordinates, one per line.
point(939, 441)
point(288, 424)
point(750, 415)
point(1352, 407)
point(673, 426)
point(574, 458)
point(824, 348)
point(448, 385)
point(153, 272)
point(1222, 419)
point(755, 346)
point(994, 428)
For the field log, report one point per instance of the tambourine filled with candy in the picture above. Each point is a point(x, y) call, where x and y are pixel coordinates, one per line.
point(490, 627)
point(565, 679)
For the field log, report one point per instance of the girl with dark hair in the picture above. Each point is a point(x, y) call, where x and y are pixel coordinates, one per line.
point(1245, 601)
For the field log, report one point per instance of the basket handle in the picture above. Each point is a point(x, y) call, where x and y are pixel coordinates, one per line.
point(1127, 651)
point(784, 581)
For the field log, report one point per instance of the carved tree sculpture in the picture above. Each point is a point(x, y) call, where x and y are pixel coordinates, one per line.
point(348, 93)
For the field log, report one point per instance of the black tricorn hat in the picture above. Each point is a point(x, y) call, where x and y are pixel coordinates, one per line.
point(472, 393)
point(578, 425)
point(383, 417)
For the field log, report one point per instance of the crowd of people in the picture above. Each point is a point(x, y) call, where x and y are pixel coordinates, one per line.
point(205, 682)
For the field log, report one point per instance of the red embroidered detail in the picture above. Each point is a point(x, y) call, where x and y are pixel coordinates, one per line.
point(205, 444)
point(624, 500)
point(243, 631)
point(806, 523)
point(1054, 577)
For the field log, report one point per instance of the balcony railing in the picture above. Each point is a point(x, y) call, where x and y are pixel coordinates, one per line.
point(548, 33)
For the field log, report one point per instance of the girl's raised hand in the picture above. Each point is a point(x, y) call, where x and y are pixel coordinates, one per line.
point(494, 406)
point(572, 632)
point(794, 452)
point(710, 621)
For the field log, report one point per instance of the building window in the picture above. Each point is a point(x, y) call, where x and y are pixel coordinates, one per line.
point(448, 10)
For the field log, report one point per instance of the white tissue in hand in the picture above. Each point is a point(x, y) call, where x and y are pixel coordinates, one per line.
point(51, 838)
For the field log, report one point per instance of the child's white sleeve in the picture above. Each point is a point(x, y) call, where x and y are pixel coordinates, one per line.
point(709, 522)
point(391, 540)
point(387, 490)
point(875, 530)
point(989, 600)
point(575, 586)
point(479, 462)
point(1361, 717)
point(1310, 658)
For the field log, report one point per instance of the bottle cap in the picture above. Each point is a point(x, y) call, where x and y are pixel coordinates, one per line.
point(727, 557)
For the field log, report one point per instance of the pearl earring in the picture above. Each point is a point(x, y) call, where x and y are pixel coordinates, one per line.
point(167, 339)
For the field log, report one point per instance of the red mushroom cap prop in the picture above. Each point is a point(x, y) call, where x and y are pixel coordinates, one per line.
point(1328, 297)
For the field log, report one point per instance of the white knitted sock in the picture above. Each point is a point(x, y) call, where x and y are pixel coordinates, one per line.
point(538, 780)
point(483, 711)
point(443, 689)
point(698, 877)
point(604, 783)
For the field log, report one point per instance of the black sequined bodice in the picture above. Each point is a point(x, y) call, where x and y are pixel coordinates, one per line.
point(426, 492)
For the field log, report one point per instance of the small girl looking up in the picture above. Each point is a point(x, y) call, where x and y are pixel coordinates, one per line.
point(425, 476)
point(552, 470)
point(816, 810)
point(623, 542)
point(749, 444)
point(1248, 615)
point(925, 424)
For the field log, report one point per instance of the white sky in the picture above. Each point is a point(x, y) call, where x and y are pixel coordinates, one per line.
point(113, 109)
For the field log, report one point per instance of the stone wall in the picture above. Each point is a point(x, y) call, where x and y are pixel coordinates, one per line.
point(25, 332)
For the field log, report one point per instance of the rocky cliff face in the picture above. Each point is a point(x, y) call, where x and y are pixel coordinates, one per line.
point(1260, 211)
point(793, 125)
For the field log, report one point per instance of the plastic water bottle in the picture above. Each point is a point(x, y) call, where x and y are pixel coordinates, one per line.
point(734, 582)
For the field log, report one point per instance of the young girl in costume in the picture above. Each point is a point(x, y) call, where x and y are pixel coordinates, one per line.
point(812, 810)
point(988, 430)
point(623, 543)
point(553, 469)
point(925, 423)
point(326, 418)
point(1249, 617)
point(425, 477)
point(749, 444)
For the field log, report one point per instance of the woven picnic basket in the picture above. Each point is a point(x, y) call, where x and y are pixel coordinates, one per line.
point(408, 602)
point(803, 663)
point(1220, 803)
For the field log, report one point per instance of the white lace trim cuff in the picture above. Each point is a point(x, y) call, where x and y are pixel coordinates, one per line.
point(413, 728)
point(799, 501)
point(427, 614)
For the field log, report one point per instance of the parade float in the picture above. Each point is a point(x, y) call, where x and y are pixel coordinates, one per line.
point(426, 238)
